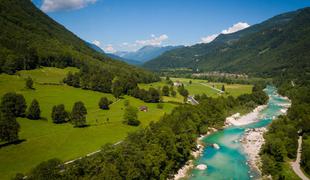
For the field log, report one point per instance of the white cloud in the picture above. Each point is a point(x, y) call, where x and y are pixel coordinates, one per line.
point(97, 43)
point(109, 49)
point(154, 41)
point(208, 39)
point(56, 5)
point(236, 27)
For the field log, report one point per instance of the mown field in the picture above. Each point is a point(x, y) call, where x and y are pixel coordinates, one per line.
point(201, 86)
point(45, 140)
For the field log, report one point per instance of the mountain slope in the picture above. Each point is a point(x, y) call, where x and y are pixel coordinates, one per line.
point(271, 47)
point(29, 39)
point(146, 53)
point(113, 56)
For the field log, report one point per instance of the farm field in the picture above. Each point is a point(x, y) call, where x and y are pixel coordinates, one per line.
point(201, 86)
point(45, 140)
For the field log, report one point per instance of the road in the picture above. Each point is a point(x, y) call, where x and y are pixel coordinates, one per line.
point(220, 91)
point(90, 154)
point(295, 165)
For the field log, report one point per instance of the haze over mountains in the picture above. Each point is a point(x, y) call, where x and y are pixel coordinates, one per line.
point(138, 57)
point(271, 47)
point(146, 53)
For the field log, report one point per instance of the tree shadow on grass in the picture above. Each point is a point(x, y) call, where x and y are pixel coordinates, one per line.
point(83, 126)
point(11, 143)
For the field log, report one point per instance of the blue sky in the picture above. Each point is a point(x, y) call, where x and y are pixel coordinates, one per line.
point(130, 24)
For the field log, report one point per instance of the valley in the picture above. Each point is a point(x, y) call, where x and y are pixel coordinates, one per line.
point(112, 90)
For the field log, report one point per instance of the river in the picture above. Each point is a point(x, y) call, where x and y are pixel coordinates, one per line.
point(229, 162)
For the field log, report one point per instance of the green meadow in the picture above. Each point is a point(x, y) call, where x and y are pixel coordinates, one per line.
point(45, 140)
point(198, 86)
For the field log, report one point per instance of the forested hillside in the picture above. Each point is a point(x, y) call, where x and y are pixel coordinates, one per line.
point(276, 45)
point(29, 39)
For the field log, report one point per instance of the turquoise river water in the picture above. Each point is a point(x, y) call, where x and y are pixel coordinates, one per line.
point(229, 162)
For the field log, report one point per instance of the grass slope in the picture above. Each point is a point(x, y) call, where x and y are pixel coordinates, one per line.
point(45, 140)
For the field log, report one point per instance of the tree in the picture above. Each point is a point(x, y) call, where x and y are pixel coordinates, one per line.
point(59, 114)
point(78, 114)
point(190, 82)
point(173, 93)
point(183, 92)
point(47, 170)
point(154, 95)
point(104, 103)
point(223, 88)
point(9, 127)
point(34, 110)
point(13, 103)
point(29, 83)
point(117, 88)
point(165, 91)
point(131, 116)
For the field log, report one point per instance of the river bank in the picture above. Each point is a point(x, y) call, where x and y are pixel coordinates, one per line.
point(252, 142)
point(237, 120)
point(189, 165)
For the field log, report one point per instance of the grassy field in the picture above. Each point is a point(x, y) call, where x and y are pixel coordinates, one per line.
point(202, 86)
point(45, 140)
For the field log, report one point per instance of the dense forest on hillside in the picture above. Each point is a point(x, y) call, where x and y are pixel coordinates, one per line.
point(29, 39)
point(155, 152)
point(267, 49)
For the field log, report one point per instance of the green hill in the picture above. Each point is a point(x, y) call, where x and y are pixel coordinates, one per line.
point(29, 39)
point(273, 46)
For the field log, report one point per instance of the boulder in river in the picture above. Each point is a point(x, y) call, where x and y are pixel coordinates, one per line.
point(216, 146)
point(202, 167)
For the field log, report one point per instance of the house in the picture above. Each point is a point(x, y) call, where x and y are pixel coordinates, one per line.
point(143, 108)
point(177, 83)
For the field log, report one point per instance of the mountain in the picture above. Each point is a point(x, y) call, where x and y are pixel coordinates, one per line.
point(113, 56)
point(279, 44)
point(95, 47)
point(30, 39)
point(146, 53)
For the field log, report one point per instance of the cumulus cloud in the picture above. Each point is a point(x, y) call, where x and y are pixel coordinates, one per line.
point(106, 48)
point(209, 39)
point(154, 41)
point(97, 43)
point(56, 5)
point(109, 48)
point(236, 27)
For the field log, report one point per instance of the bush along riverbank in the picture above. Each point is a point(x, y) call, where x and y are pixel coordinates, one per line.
point(156, 152)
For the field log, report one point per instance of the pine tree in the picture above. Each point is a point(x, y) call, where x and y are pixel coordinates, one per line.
point(34, 110)
point(78, 114)
point(9, 127)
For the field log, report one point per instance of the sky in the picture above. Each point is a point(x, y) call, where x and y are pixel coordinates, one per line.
point(127, 25)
